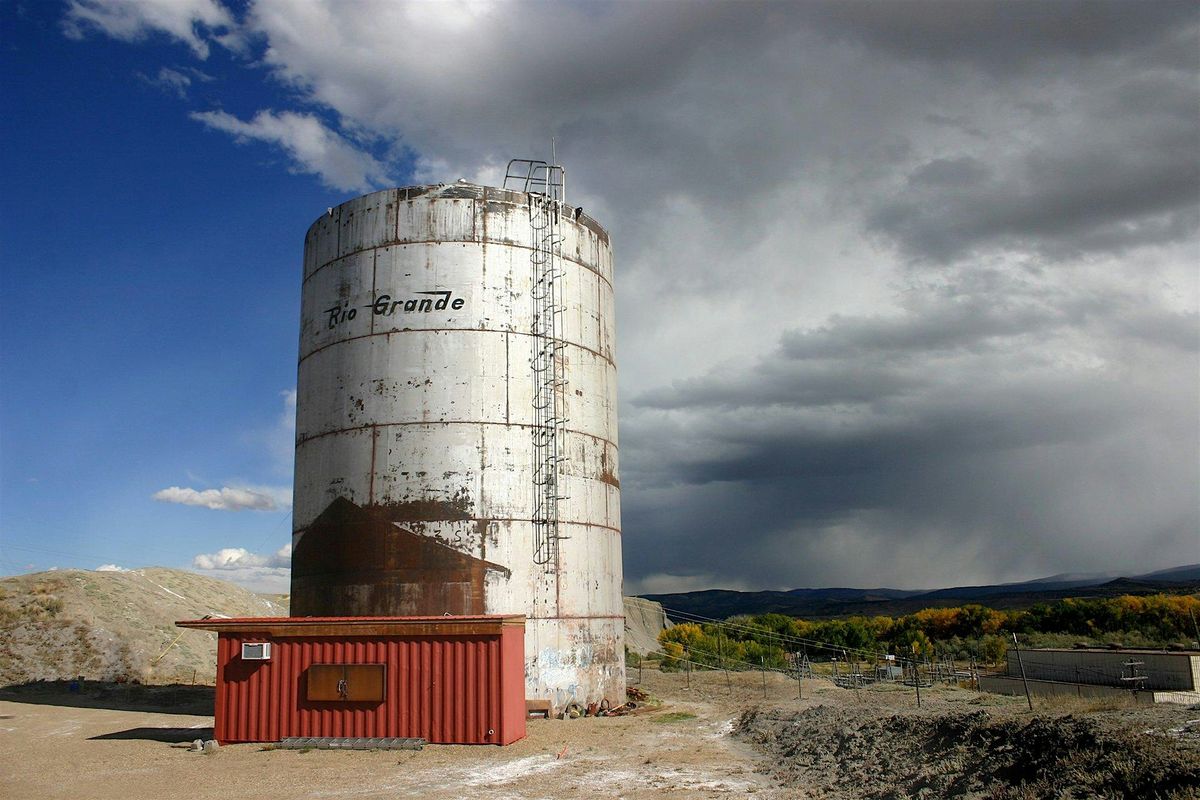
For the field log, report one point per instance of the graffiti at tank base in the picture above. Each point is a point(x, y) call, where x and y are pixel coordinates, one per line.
point(361, 561)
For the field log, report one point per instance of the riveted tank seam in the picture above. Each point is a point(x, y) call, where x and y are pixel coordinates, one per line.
point(353, 428)
point(576, 523)
point(513, 245)
point(568, 343)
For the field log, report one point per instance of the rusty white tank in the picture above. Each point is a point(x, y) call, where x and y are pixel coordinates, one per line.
point(425, 399)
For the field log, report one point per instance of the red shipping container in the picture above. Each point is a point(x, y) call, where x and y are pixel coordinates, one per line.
point(448, 680)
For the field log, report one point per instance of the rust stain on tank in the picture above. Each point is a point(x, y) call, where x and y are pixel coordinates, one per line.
point(481, 528)
point(606, 471)
point(426, 509)
point(358, 561)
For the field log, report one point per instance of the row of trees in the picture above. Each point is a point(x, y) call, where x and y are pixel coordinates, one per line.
point(963, 632)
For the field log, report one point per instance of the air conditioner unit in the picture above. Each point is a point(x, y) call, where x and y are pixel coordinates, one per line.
point(256, 651)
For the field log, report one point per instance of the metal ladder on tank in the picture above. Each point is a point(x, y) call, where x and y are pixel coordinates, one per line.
point(545, 187)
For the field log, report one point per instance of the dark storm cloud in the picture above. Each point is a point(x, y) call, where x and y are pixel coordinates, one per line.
point(1004, 36)
point(953, 450)
point(1124, 173)
point(1180, 331)
point(997, 426)
point(871, 359)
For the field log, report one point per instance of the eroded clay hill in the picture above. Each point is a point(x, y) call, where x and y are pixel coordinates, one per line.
point(114, 625)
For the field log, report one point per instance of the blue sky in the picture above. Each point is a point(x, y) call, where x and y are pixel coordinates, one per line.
point(907, 292)
point(151, 281)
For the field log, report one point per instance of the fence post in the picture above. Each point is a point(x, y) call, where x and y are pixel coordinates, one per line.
point(721, 653)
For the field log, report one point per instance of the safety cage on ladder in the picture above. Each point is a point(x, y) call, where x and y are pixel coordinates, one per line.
point(545, 187)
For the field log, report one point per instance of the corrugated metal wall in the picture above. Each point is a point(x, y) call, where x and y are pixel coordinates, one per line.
point(452, 690)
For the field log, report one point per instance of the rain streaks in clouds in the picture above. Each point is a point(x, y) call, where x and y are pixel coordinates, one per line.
point(907, 291)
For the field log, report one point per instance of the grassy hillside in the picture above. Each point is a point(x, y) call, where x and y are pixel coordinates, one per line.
point(114, 625)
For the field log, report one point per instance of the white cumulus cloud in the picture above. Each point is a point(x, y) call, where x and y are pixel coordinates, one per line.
point(228, 558)
point(259, 573)
point(110, 568)
point(313, 147)
point(228, 498)
point(193, 22)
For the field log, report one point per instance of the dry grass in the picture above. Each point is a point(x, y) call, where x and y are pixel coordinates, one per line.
point(1066, 704)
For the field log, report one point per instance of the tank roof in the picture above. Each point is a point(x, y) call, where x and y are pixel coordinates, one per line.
point(465, 190)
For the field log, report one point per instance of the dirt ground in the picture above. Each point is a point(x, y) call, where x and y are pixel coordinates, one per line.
point(956, 746)
point(124, 742)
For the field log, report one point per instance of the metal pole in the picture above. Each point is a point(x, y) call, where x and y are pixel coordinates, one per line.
point(721, 653)
point(1024, 680)
point(687, 665)
point(762, 660)
point(917, 681)
point(1195, 627)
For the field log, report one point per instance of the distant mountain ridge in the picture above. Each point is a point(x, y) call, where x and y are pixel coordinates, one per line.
point(842, 601)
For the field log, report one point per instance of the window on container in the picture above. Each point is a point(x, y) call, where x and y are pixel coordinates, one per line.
point(346, 683)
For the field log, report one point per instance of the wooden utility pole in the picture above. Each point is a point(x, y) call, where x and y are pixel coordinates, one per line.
point(1021, 663)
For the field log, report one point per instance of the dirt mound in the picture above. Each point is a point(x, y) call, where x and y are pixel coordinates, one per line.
point(644, 619)
point(115, 625)
point(840, 753)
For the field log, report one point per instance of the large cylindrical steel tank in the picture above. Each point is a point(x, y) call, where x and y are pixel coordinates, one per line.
point(414, 489)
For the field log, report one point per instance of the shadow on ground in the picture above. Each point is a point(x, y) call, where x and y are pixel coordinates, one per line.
point(168, 735)
point(168, 699)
